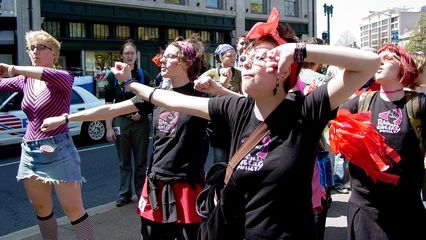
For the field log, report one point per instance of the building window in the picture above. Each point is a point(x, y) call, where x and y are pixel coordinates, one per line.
point(219, 37)
point(179, 2)
point(205, 36)
point(257, 6)
point(77, 30)
point(122, 32)
point(148, 33)
point(214, 4)
point(100, 31)
point(172, 34)
point(290, 8)
point(188, 33)
point(54, 28)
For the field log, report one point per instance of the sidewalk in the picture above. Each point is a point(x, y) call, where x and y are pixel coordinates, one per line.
point(123, 223)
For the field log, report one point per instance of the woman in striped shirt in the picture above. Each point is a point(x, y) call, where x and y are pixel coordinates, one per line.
point(48, 159)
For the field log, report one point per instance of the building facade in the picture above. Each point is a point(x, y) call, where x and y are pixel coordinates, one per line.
point(92, 31)
point(387, 26)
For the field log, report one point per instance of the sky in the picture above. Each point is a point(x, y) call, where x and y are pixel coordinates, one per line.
point(347, 14)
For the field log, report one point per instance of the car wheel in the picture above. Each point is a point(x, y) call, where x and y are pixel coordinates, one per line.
point(92, 132)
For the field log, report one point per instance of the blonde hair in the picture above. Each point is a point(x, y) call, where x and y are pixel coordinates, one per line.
point(46, 38)
point(420, 60)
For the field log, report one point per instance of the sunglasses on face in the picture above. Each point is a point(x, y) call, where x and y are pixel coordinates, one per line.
point(254, 57)
point(39, 47)
point(390, 58)
point(168, 57)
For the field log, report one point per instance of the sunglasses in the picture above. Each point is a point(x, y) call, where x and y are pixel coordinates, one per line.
point(254, 57)
point(390, 58)
point(39, 47)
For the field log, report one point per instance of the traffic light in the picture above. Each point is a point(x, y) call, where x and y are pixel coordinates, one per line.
point(324, 36)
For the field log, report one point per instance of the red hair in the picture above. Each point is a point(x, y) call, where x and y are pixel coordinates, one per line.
point(407, 67)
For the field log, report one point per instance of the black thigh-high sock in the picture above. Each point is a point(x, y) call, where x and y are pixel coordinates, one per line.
point(48, 227)
point(83, 228)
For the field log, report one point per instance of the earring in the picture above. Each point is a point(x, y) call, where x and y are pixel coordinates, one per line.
point(275, 89)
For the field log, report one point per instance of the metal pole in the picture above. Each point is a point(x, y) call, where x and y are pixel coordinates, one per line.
point(328, 10)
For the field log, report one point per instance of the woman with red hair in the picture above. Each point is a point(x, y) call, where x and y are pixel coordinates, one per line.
point(377, 209)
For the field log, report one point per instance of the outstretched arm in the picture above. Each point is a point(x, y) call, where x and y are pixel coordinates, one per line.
point(358, 66)
point(196, 106)
point(103, 112)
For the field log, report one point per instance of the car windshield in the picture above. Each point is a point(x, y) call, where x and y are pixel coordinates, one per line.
point(3, 97)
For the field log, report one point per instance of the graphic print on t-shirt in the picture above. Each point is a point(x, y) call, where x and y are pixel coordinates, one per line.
point(167, 123)
point(254, 160)
point(389, 121)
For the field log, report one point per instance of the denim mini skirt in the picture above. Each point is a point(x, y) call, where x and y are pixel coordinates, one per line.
point(54, 159)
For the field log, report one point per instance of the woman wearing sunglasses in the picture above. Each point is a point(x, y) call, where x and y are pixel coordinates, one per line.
point(377, 209)
point(48, 159)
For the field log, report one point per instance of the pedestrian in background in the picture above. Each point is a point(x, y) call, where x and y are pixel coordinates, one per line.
point(254, 202)
point(176, 175)
point(382, 210)
point(242, 44)
point(48, 159)
point(130, 132)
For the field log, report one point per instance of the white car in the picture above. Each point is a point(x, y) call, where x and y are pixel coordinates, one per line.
point(13, 121)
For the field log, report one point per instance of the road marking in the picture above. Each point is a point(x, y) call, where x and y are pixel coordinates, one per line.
point(81, 150)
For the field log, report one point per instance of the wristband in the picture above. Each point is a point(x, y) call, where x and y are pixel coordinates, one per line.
point(10, 70)
point(151, 94)
point(66, 118)
point(300, 52)
point(128, 81)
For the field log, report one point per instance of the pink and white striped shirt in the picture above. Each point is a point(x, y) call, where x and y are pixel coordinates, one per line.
point(54, 100)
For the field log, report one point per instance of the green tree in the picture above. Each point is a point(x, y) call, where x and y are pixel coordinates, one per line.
point(417, 42)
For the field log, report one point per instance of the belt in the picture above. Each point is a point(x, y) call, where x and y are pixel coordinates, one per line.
point(35, 144)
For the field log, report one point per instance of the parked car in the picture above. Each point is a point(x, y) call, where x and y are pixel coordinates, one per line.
point(13, 121)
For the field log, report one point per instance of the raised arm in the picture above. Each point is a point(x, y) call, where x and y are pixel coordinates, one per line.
point(61, 79)
point(103, 112)
point(358, 66)
point(196, 106)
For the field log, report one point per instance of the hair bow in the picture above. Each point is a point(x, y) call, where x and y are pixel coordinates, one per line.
point(267, 28)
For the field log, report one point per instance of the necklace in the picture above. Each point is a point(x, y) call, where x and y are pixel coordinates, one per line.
point(392, 91)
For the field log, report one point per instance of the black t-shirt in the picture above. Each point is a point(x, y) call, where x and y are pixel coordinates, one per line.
point(391, 120)
point(271, 186)
point(180, 144)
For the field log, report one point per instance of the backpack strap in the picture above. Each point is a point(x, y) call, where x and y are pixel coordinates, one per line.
point(412, 102)
point(141, 76)
point(365, 101)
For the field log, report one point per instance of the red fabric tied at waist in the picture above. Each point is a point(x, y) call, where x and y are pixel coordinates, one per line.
point(353, 136)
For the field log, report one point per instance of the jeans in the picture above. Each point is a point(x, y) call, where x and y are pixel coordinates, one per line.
point(62, 164)
point(340, 166)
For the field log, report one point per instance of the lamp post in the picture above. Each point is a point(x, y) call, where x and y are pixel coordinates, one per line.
point(328, 11)
point(389, 25)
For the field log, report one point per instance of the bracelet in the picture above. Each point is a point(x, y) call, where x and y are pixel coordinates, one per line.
point(128, 81)
point(300, 52)
point(151, 94)
point(10, 70)
point(66, 118)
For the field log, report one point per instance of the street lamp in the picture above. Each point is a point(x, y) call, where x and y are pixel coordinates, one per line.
point(328, 10)
point(389, 25)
